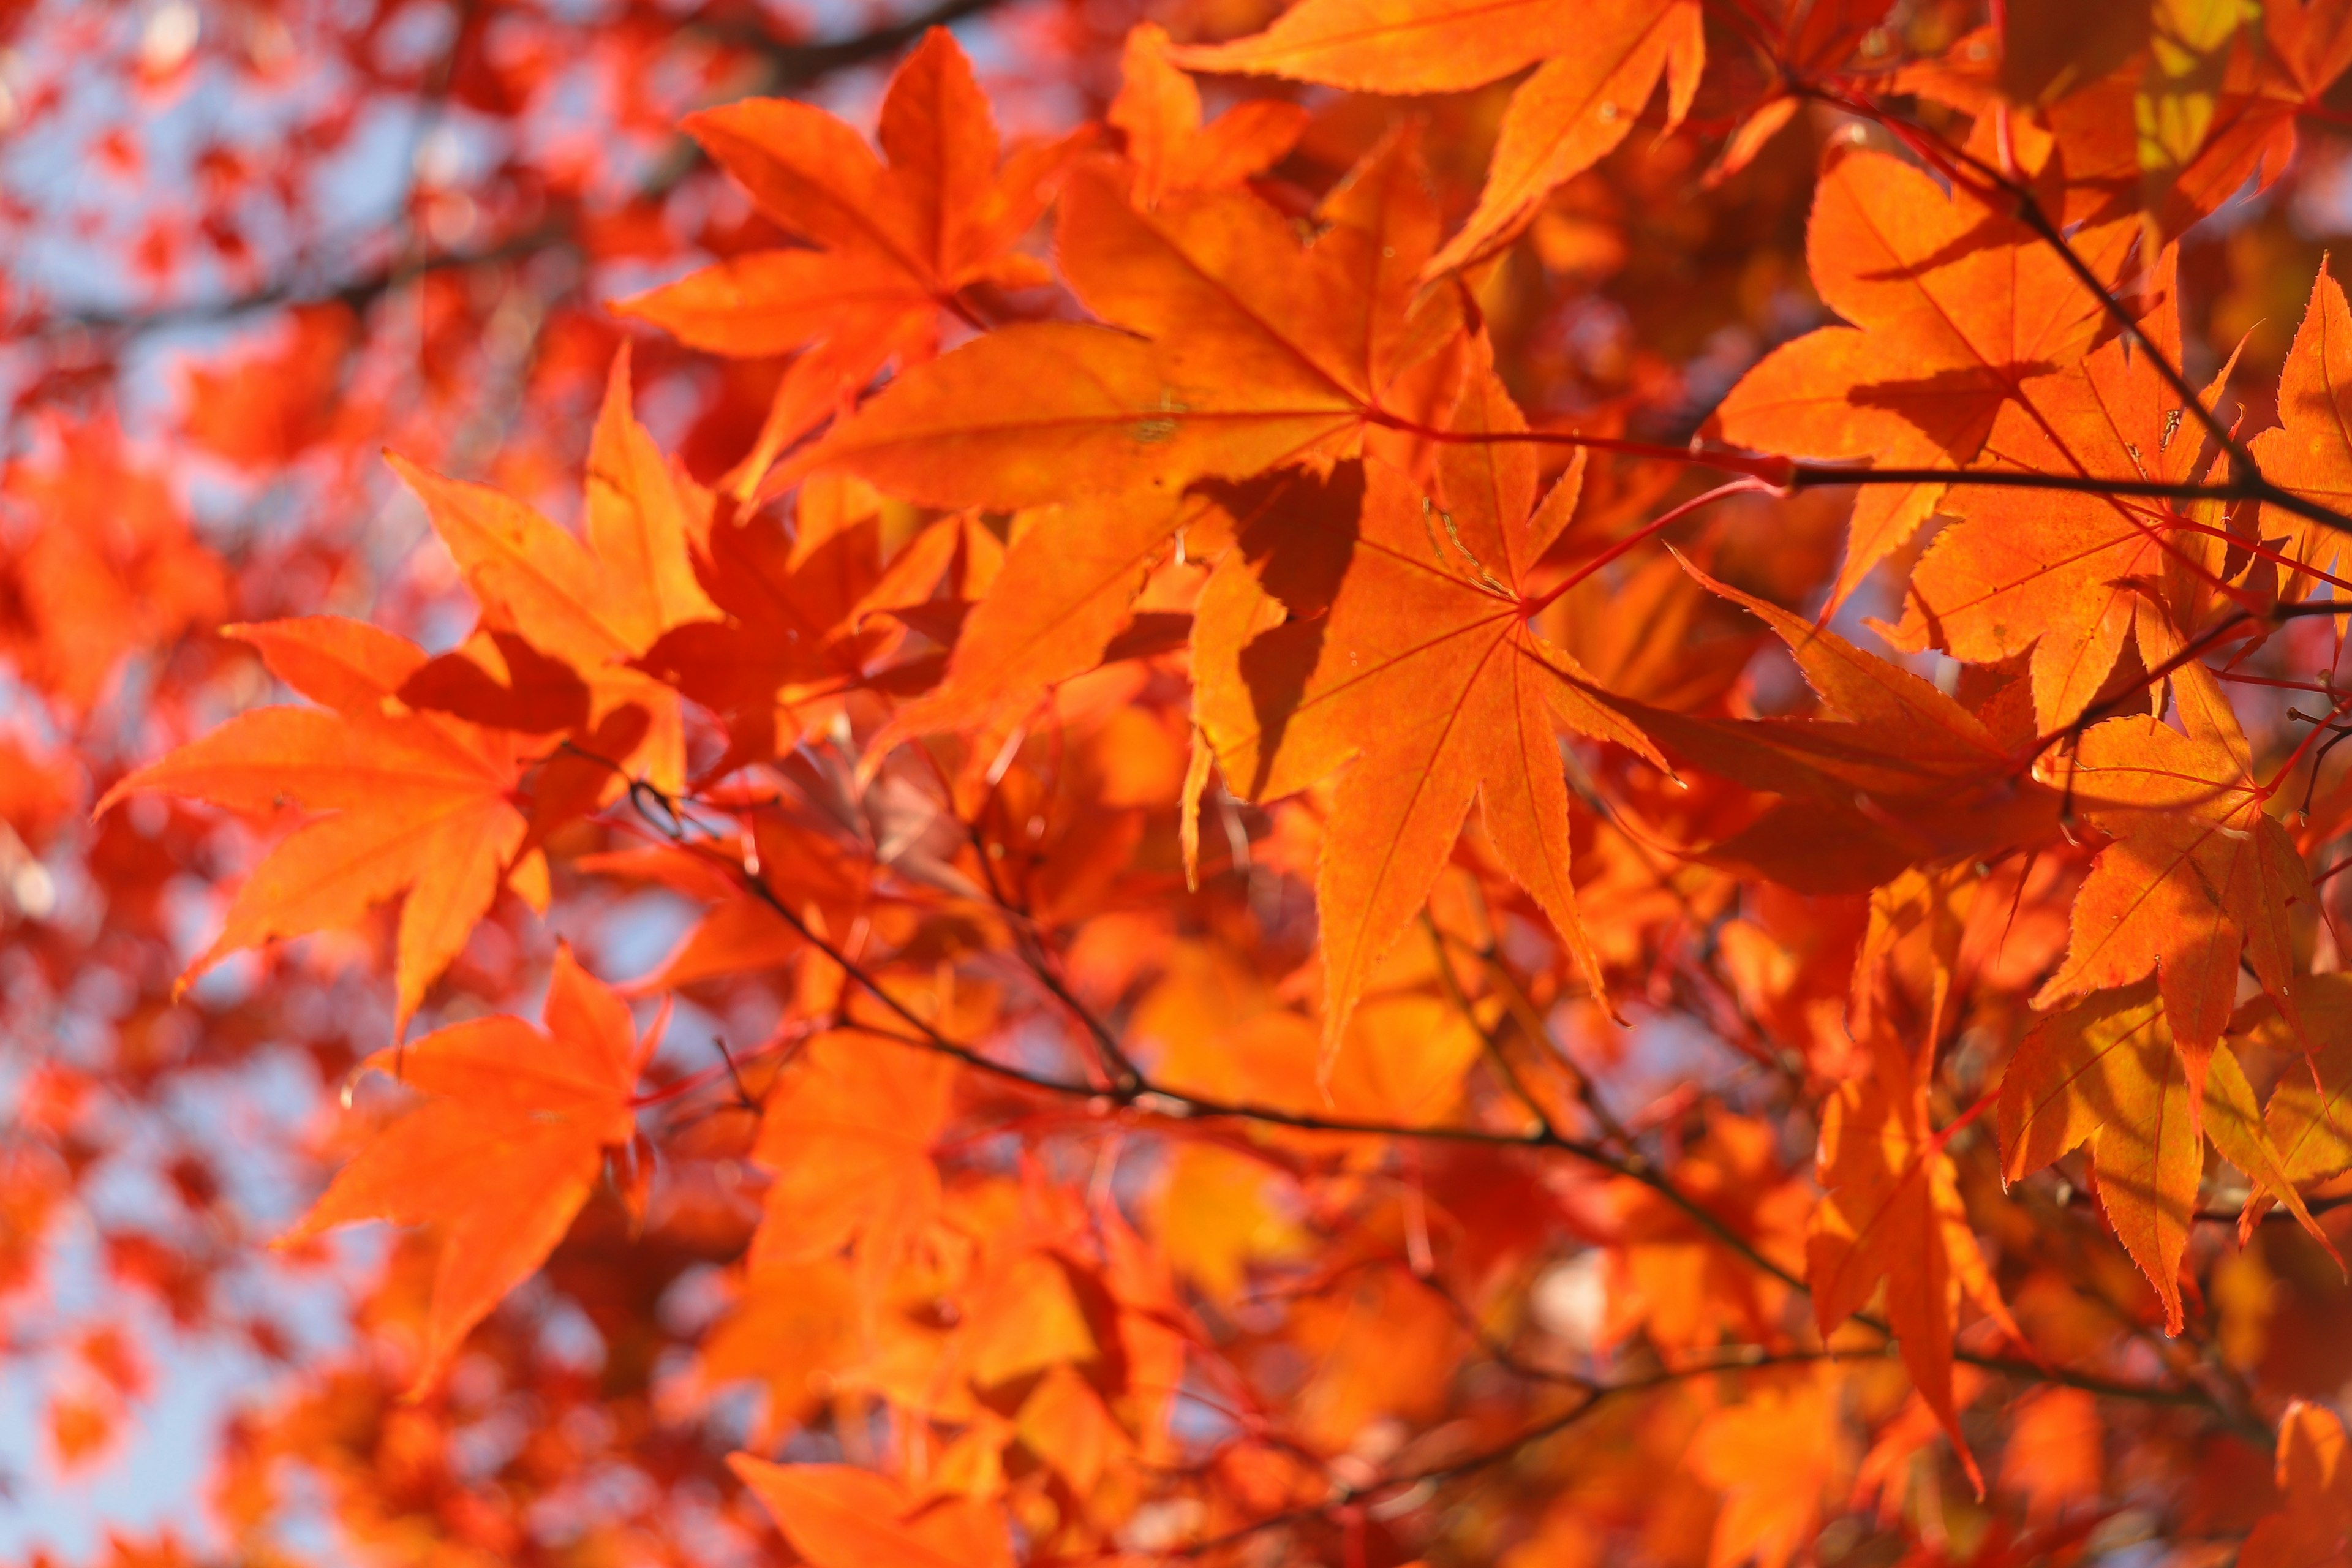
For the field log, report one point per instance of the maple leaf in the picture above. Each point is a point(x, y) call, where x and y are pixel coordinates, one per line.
point(795, 638)
point(1219, 1212)
point(1397, 46)
point(1021, 1314)
point(1073, 572)
point(1953, 308)
point(1891, 1212)
point(1228, 349)
point(2208, 111)
point(2310, 454)
point(503, 1151)
point(2106, 1073)
point(1067, 588)
point(1895, 773)
point(2309, 1117)
point(790, 1323)
point(2045, 58)
point(596, 606)
point(895, 243)
point(1601, 65)
point(1065, 1423)
point(1576, 109)
point(1772, 1456)
point(1903, 974)
point(849, 1142)
point(2199, 873)
point(1216, 1031)
point(837, 1516)
point(2053, 1455)
point(1676, 1278)
point(118, 572)
point(263, 412)
point(1160, 110)
point(1424, 679)
point(2071, 576)
point(2316, 1480)
point(418, 806)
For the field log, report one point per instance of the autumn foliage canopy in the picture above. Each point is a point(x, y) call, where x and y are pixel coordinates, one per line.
point(1540, 783)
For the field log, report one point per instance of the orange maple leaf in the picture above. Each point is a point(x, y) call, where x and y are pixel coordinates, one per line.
point(2309, 1117)
point(1397, 46)
point(1953, 305)
point(796, 637)
point(1073, 572)
point(1772, 1456)
point(2106, 1073)
point(419, 805)
point(262, 411)
point(1229, 349)
point(118, 569)
point(1891, 1211)
point(1893, 773)
point(1213, 1029)
point(895, 243)
point(1426, 681)
point(1601, 64)
point(2311, 453)
point(1068, 586)
point(503, 1151)
point(790, 1325)
point(2207, 114)
point(837, 1516)
point(1160, 110)
point(1674, 1277)
point(849, 1141)
point(2314, 1478)
point(2070, 576)
point(596, 606)
point(2199, 873)
point(2056, 1453)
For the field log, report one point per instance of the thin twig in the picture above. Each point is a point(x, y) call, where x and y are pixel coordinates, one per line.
point(1493, 1046)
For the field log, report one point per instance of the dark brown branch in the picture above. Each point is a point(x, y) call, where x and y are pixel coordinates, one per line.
point(802, 64)
point(1035, 957)
point(2248, 482)
point(1148, 1098)
point(2029, 213)
point(1749, 1358)
point(2077, 1197)
point(357, 292)
point(1787, 473)
point(1817, 476)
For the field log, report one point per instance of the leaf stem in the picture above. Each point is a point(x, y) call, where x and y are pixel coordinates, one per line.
point(1750, 485)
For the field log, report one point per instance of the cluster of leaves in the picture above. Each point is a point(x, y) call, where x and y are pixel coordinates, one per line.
point(1870, 1081)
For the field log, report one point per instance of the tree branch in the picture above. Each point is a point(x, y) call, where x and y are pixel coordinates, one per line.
point(1749, 1358)
point(1815, 476)
point(1745, 1358)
